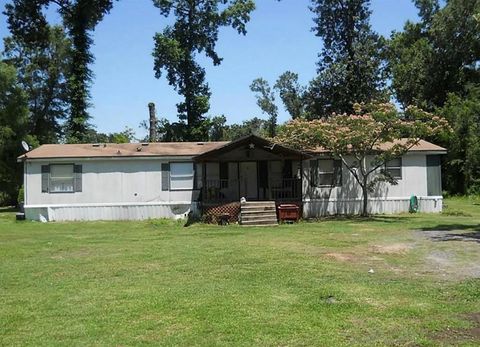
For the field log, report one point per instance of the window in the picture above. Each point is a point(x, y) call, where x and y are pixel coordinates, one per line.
point(62, 179)
point(181, 176)
point(394, 168)
point(326, 173)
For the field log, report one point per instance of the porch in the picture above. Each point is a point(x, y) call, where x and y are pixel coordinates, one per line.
point(253, 180)
point(251, 168)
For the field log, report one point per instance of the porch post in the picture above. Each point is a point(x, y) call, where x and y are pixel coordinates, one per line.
point(301, 180)
point(204, 181)
point(238, 179)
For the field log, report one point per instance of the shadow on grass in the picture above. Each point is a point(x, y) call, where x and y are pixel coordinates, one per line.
point(369, 219)
point(453, 227)
point(8, 209)
point(468, 237)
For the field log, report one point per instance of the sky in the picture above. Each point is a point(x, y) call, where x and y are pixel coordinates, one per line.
point(279, 38)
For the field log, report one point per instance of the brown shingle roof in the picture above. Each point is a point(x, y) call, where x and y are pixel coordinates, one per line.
point(161, 149)
point(422, 146)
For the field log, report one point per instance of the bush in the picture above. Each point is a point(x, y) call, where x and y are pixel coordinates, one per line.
point(21, 195)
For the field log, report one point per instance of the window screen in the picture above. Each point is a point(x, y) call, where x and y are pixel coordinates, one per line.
point(394, 168)
point(181, 176)
point(62, 179)
point(325, 172)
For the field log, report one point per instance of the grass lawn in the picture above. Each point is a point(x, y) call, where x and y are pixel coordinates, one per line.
point(159, 283)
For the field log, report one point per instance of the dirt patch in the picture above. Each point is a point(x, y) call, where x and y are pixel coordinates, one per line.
point(395, 248)
point(456, 336)
point(342, 256)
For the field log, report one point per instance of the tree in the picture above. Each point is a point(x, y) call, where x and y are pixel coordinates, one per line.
point(126, 136)
point(13, 121)
point(196, 29)
point(372, 136)
point(291, 93)
point(254, 126)
point(80, 17)
point(351, 67)
point(462, 174)
point(437, 56)
point(42, 73)
point(266, 102)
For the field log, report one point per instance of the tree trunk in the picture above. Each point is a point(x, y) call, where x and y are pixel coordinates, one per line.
point(365, 201)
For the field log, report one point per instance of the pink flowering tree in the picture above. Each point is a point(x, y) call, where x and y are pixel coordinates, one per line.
point(372, 136)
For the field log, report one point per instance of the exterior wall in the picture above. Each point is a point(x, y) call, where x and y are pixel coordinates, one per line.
point(111, 190)
point(131, 189)
point(387, 198)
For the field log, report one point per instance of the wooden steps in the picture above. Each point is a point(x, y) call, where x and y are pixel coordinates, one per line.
point(258, 213)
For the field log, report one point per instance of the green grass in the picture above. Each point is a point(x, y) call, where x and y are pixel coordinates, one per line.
point(159, 283)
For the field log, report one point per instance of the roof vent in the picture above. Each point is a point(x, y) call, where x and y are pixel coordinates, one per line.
point(139, 149)
point(96, 145)
point(200, 143)
point(145, 144)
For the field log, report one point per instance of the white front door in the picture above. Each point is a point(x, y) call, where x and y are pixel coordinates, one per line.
point(248, 180)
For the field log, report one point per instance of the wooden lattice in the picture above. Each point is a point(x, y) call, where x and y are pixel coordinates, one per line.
point(211, 213)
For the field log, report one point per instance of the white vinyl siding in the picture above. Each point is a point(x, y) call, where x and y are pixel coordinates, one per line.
point(181, 176)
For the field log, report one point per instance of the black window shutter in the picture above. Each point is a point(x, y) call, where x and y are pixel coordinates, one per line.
point(45, 178)
point(337, 170)
point(77, 169)
point(165, 176)
point(313, 173)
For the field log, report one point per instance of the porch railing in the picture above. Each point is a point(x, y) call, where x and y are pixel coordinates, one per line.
point(220, 190)
point(287, 189)
point(228, 190)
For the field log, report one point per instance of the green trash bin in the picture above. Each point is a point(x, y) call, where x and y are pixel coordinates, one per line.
point(413, 204)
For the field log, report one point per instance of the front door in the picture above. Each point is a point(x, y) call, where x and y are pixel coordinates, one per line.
point(248, 180)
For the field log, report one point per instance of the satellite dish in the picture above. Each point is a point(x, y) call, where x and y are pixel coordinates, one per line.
point(25, 146)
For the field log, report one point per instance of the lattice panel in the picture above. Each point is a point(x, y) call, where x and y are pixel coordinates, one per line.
point(211, 213)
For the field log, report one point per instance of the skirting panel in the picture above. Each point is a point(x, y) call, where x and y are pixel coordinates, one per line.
point(315, 208)
point(111, 212)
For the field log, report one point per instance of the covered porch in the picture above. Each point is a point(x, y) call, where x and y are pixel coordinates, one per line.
point(252, 168)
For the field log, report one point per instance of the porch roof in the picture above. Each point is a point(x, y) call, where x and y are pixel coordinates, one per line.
point(257, 142)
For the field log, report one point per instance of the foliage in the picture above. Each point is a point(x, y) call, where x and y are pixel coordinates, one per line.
point(126, 136)
point(13, 124)
point(351, 67)
point(254, 126)
point(216, 129)
point(80, 17)
point(434, 65)
point(195, 30)
point(374, 135)
point(463, 159)
point(21, 194)
point(437, 56)
point(42, 70)
point(291, 93)
point(266, 102)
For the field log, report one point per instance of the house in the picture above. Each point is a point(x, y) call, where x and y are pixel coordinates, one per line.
point(172, 180)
